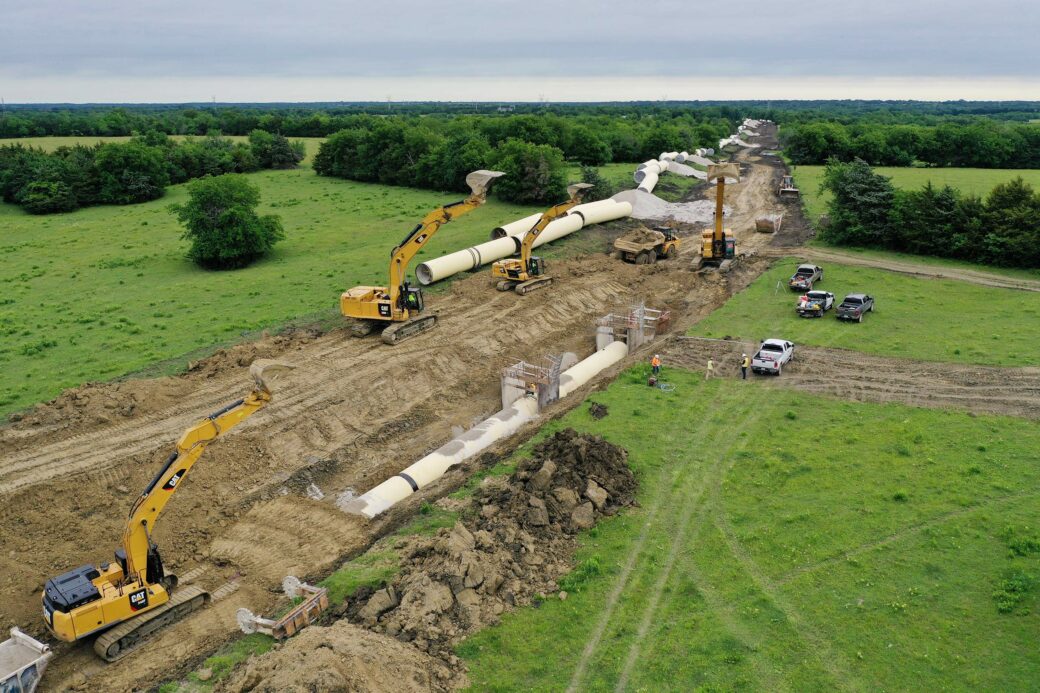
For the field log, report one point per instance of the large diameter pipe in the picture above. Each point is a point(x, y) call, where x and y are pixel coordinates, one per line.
point(585, 370)
point(559, 228)
point(432, 467)
point(602, 211)
point(516, 228)
point(649, 182)
point(460, 261)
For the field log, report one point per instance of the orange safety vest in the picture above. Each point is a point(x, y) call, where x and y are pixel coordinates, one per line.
point(655, 361)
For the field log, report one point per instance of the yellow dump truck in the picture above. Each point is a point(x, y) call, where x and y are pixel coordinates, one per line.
point(646, 246)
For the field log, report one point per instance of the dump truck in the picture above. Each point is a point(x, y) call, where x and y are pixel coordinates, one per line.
point(769, 223)
point(646, 246)
point(22, 661)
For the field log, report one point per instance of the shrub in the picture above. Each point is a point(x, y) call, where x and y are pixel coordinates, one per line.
point(222, 224)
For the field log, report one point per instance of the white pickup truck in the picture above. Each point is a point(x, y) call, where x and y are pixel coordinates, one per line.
point(772, 356)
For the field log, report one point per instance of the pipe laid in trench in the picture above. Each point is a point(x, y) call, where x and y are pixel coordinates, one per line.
point(501, 425)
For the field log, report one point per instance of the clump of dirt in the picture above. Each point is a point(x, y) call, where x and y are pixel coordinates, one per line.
point(514, 542)
point(244, 354)
point(342, 657)
point(642, 236)
point(597, 410)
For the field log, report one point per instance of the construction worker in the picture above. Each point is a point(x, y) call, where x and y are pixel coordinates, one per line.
point(710, 372)
point(655, 364)
point(744, 363)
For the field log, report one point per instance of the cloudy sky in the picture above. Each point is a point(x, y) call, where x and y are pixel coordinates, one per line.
point(326, 50)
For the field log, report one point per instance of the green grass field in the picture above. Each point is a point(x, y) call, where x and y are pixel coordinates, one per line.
point(978, 181)
point(933, 320)
point(105, 291)
point(790, 542)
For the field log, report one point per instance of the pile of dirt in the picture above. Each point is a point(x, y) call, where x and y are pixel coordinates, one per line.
point(643, 236)
point(342, 657)
point(649, 206)
point(597, 410)
point(514, 543)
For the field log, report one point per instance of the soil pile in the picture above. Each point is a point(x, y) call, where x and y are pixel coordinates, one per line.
point(342, 657)
point(516, 540)
point(643, 236)
point(649, 206)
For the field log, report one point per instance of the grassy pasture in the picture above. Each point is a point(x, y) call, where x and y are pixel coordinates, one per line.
point(789, 542)
point(978, 181)
point(929, 319)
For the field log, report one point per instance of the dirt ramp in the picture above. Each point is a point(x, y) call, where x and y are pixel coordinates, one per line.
point(343, 657)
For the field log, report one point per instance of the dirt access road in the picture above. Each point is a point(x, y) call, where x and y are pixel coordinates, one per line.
point(903, 267)
point(860, 377)
point(352, 413)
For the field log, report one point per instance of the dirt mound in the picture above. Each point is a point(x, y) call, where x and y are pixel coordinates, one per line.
point(514, 543)
point(643, 236)
point(597, 410)
point(649, 206)
point(342, 657)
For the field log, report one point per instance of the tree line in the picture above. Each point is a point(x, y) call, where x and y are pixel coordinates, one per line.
point(1002, 228)
point(977, 143)
point(135, 171)
point(532, 150)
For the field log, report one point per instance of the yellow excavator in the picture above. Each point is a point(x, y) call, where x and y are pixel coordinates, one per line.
point(527, 273)
point(132, 597)
point(397, 306)
point(718, 245)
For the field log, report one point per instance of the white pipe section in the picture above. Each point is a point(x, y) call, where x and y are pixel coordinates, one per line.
point(502, 425)
point(649, 182)
point(432, 467)
point(558, 229)
point(683, 156)
point(516, 228)
point(460, 261)
point(602, 210)
point(582, 372)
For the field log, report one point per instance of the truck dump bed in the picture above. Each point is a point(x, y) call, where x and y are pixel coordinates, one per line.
point(22, 661)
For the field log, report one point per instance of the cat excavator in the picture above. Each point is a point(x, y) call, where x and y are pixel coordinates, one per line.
point(527, 273)
point(397, 307)
point(132, 597)
point(718, 245)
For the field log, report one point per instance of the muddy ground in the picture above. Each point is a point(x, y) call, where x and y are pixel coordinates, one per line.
point(352, 413)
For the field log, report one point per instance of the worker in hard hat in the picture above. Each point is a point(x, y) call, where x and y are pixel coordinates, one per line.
point(655, 364)
point(744, 363)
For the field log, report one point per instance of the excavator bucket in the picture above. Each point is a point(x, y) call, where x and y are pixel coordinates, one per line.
point(479, 182)
point(265, 371)
point(577, 190)
point(730, 172)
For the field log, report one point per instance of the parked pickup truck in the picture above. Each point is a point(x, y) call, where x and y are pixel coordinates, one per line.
point(813, 304)
point(772, 356)
point(854, 306)
point(804, 277)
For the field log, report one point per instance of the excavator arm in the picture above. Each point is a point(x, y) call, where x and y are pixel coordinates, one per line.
point(137, 535)
point(576, 191)
point(479, 183)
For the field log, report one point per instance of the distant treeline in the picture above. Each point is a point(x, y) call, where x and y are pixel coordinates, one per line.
point(868, 211)
point(438, 153)
point(135, 171)
point(979, 143)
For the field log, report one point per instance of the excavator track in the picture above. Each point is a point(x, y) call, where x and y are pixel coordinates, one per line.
point(118, 642)
point(532, 285)
point(397, 333)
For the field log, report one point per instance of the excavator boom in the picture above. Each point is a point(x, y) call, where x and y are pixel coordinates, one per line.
point(134, 594)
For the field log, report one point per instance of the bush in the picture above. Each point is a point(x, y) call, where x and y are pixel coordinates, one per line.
point(601, 187)
point(47, 197)
point(222, 224)
point(535, 173)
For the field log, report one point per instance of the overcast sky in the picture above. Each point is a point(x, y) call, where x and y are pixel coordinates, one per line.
point(325, 50)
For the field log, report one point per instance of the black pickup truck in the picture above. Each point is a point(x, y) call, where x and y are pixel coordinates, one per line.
point(854, 306)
